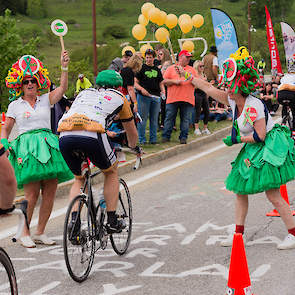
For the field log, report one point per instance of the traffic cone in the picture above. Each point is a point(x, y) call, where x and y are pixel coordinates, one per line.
point(238, 279)
point(284, 194)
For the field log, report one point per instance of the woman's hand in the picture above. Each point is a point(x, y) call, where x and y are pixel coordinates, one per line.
point(64, 59)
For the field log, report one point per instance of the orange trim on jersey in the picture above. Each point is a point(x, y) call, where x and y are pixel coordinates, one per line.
point(80, 122)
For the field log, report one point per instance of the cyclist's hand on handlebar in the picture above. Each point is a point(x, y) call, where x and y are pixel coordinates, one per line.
point(111, 134)
point(138, 150)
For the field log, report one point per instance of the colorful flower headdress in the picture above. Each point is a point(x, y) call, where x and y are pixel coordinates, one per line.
point(239, 72)
point(26, 66)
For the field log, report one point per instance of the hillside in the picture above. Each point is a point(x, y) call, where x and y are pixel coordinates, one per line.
point(78, 15)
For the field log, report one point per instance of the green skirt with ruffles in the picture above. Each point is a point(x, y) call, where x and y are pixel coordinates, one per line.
point(265, 165)
point(35, 156)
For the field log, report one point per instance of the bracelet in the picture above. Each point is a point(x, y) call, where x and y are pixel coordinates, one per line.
point(135, 103)
point(64, 69)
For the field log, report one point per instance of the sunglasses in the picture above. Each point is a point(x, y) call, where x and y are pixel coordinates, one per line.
point(201, 66)
point(33, 81)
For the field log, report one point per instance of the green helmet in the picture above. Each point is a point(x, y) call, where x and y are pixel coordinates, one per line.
point(109, 78)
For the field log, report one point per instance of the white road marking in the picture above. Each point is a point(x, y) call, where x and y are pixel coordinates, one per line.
point(10, 231)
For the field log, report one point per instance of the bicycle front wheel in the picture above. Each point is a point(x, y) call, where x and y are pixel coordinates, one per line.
point(79, 239)
point(7, 274)
point(120, 241)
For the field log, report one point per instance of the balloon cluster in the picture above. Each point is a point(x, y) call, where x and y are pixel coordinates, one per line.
point(150, 13)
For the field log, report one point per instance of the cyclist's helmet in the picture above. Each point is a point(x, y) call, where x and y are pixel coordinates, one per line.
point(109, 78)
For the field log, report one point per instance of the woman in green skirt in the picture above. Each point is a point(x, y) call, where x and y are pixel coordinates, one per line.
point(267, 158)
point(34, 154)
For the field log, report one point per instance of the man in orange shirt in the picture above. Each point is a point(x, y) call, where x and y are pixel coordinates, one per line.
point(180, 95)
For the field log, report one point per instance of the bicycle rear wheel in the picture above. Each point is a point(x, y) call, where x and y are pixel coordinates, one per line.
point(120, 241)
point(7, 274)
point(79, 239)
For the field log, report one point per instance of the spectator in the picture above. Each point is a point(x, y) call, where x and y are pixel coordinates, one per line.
point(180, 95)
point(201, 101)
point(132, 67)
point(118, 63)
point(266, 95)
point(157, 60)
point(218, 112)
point(82, 83)
point(211, 65)
point(58, 109)
point(166, 61)
point(275, 84)
point(149, 83)
point(261, 67)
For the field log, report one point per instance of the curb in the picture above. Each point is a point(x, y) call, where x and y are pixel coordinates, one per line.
point(64, 188)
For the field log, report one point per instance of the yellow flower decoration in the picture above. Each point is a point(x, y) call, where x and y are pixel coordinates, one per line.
point(241, 53)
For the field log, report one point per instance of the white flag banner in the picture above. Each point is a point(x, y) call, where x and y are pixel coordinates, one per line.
point(289, 44)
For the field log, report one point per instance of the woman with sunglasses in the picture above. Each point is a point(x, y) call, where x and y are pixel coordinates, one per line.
point(201, 101)
point(34, 154)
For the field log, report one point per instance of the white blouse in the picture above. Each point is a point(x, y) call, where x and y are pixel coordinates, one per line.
point(30, 118)
point(253, 109)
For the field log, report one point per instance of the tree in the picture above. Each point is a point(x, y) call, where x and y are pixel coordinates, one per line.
point(36, 8)
point(16, 6)
point(11, 48)
point(278, 10)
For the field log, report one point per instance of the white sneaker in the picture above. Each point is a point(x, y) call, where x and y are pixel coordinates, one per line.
point(197, 132)
point(206, 131)
point(228, 241)
point(43, 239)
point(288, 243)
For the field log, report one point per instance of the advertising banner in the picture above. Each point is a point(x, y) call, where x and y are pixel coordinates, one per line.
point(289, 44)
point(225, 35)
point(272, 44)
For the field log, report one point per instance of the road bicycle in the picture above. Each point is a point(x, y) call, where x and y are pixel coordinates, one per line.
point(287, 119)
point(7, 273)
point(88, 234)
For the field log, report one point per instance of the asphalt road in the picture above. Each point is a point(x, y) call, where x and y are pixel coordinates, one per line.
point(181, 213)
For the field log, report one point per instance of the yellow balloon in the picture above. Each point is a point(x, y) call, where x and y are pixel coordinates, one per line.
point(198, 20)
point(186, 25)
point(144, 48)
point(183, 17)
point(171, 21)
point(145, 8)
point(139, 32)
point(143, 20)
point(161, 35)
point(188, 45)
point(162, 18)
point(128, 48)
point(154, 15)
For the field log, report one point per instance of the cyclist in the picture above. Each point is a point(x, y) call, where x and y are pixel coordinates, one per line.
point(7, 180)
point(82, 83)
point(83, 129)
point(286, 91)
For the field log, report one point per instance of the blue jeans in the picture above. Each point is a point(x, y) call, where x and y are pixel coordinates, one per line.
point(148, 107)
point(171, 113)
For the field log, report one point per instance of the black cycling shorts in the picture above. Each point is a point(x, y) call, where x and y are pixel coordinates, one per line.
point(286, 95)
point(97, 150)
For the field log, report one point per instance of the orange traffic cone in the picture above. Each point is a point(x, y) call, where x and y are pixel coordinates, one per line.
point(238, 279)
point(284, 194)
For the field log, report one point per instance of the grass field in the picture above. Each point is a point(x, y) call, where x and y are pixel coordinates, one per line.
point(125, 13)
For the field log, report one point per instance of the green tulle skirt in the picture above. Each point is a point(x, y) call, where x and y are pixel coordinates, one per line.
point(263, 166)
point(35, 156)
